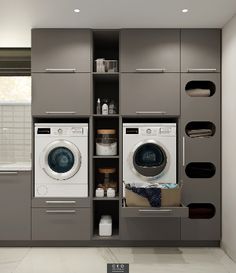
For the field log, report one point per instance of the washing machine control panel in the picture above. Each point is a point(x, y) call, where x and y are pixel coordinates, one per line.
point(160, 131)
point(67, 131)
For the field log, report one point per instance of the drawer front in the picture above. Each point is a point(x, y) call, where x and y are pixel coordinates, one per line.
point(59, 202)
point(152, 229)
point(61, 224)
point(151, 50)
point(150, 94)
point(64, 49)
point(155, 212)
point(61, 94)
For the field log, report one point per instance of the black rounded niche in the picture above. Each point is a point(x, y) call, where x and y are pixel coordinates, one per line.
point(201, 211)
point(195, 129)
point(200, 170)
point(200, 88)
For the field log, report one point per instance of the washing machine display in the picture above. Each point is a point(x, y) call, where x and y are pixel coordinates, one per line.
point(149, 153)
point(61, 160)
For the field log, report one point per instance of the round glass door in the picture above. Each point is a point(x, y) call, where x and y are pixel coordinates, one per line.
point(149, 159)
point(61, 159)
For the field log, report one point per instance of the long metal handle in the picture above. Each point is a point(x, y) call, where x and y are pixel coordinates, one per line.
point(60, 112)
point(60, 202)
point(60, 211)
point(6, 173)
point(151, 70)
point(201, 70)
point(156, 210)
point(60, 70)
point(151, 112)
point(183, 151)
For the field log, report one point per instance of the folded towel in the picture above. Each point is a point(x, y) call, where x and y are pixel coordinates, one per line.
point(198, 92)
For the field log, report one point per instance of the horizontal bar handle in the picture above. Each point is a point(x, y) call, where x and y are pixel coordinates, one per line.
point(6, 173)
point(60, 70)
point(60, 202)
point(151, 112)
point(60, 211)
point(156, 210)
point(149, 70)
point(201, 69)
point(60, 112)
point(15, 68)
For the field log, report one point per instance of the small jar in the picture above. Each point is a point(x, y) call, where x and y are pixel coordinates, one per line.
point(107, 178)
point(106, 142)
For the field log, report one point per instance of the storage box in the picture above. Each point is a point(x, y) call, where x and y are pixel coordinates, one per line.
point(169, 198)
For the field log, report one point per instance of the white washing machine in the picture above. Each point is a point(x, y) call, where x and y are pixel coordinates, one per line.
point(149, 153)
point(61, 160)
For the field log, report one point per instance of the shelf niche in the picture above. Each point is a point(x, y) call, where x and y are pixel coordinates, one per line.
point(201, 211)
point(200, 129)
point(200, 170)
point(200, 88)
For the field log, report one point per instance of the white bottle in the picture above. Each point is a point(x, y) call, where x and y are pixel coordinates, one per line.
point(105, 108)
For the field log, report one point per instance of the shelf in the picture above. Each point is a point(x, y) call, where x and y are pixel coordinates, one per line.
point(116, 198)
point(106, 116)
point(115, 236)
point(105, 156)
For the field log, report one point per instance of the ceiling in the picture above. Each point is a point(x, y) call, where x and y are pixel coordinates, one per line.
point(19, 16)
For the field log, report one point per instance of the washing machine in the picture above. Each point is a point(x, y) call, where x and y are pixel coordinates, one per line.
point(149, 153)
point(61, 160)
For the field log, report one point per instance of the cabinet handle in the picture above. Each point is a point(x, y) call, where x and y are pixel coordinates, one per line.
point(60, 70)
point(156, 210)
point(6, 173)
point(60, 202)
point(60, 211)
point(201, 70)
point(151, 112)
point(60, 112)
point(183, 151)
point(150, 70)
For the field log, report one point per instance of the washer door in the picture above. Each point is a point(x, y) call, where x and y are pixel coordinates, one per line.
point(149, 159)
point(61, 160)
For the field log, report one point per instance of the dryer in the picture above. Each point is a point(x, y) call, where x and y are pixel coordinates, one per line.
point(149, 153)
point(61, 160)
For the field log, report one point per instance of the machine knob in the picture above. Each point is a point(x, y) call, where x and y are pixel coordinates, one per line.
point(59, 131)
point(148, 131)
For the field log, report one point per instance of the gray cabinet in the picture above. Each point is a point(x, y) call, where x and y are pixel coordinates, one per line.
point(15, 206)
point(150, 229)
point(61, 49)
point(150, 50)
point(200, 50)
point(65, 94)
point(61, 224)
point(150, 94)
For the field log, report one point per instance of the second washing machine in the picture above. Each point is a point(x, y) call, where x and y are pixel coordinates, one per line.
point(149, 153)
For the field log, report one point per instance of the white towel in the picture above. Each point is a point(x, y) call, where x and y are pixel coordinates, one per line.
point(198, 92)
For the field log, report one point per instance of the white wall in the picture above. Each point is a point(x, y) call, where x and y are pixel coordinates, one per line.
point(229, 137)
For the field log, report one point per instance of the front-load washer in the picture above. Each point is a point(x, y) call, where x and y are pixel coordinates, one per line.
point(149, 153)
point(61, 160)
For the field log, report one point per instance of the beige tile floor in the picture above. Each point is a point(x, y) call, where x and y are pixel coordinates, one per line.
point(94, 260)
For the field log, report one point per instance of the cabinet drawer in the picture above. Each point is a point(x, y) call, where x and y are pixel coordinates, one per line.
point(61, 94)
point(153, 229)
point(63, 49)
point(59, 202)
point(150, 94)
point(61, 224)
point(150, 50)
point(200, 50)
point(155, 212)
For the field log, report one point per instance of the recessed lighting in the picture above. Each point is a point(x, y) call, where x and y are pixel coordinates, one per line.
point(184, 10)
point(76, 10)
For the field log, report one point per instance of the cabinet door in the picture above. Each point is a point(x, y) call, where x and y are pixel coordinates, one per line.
point(153, 229)
point(65, 49)
point(150, 94)
point(200, 50)
point(15, 205)
point(150, 50)
point(61, 94)
point(61, 224)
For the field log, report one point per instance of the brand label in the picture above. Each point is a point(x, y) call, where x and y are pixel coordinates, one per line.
point(117, 268)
